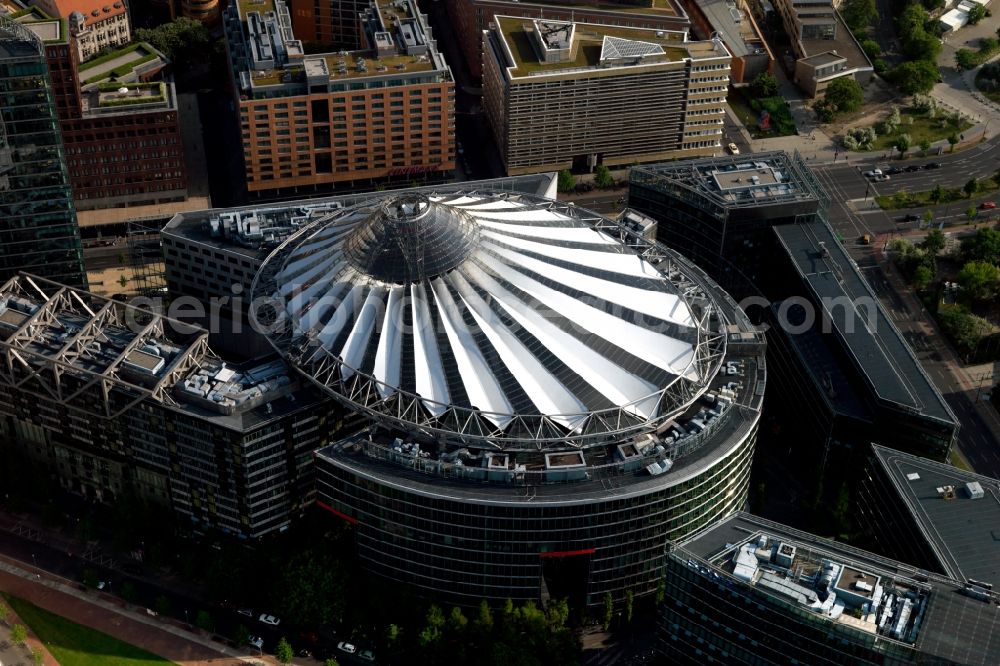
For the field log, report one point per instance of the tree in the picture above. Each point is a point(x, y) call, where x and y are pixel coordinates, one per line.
point(331, 661)
point(89, 578)
point(629, 601)
point(871, 48)
point(162, 605)
point(952, 140)
point(971, 187)
point(859, 14)
point(312, 590)
point(984, 246)
point(979, 279)
point(203, 620)
point(241, 635)
point(764, 85)
point(937, 194)
point(431, 632)
point(976, 14)
point(484, 618)
point(123, 281)
point(18, 634)
point(922, 276)
point(970, 212)
point(934, 241)
point(603, 177)
point(964, 328)
point(915, 76)
point(184, 41)
point(609, 610)
point(925, 146)
point(4, 613)
point(128, 592)
point(457, 620)
point(37, 657)
point(844, 94)
point(966, 59)
point(283, 652)
point(566, 182)
point(902, 144)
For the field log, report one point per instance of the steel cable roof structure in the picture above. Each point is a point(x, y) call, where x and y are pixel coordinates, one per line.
point(491, 319)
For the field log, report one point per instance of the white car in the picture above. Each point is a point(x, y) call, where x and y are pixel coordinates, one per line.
point(347, 647)
point(874, 173)
point(733, 149)
point(269, 619)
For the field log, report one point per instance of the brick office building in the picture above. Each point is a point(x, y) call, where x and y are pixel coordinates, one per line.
point(312, 122)
point(123, 142)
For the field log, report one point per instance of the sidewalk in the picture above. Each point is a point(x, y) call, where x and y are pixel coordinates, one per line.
point(959, 373)
point(115, 618)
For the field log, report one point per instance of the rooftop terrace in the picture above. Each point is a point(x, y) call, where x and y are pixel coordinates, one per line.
point(592, 46)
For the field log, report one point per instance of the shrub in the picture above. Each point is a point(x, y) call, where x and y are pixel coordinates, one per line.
point(860, 138)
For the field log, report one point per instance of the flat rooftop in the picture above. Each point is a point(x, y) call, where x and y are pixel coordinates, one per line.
point(955, 628)
point(740, 180)
point(595, 45)
point(881, 355)
point(964, 533)
point(844, 44)
point(735, 26)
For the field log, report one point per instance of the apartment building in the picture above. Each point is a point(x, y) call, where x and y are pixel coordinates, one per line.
point(823, 45)
point(38, 226)
point(469, 18)
point(96, 25)
point(122, 141)
point(313, 122)
point(562, 95)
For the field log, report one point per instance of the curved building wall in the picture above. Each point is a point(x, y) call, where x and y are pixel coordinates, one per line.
point(468, 542)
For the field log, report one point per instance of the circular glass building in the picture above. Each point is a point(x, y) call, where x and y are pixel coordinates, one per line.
point(549, 396)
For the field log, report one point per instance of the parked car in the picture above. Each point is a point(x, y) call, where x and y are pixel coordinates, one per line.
point(911, 217)
point(733, 148)
point(245, 611)
point(367, 655)
point(988, 205)
point(269, 619)
point(932, 165)
point(346, 647)
point(893, 170)
point(874, 173)
point(912, 168)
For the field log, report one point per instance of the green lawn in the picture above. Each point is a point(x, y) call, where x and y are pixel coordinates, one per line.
point(73, 644)
point(748, 111)
point(922, 128)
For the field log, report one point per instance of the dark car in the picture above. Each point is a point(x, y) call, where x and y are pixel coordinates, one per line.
point(910, 217)
point(912, 168)
point(892, 171)
point(932, 165)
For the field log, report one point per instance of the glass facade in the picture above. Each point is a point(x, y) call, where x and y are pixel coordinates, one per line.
point(38, 228)
point(473, 541)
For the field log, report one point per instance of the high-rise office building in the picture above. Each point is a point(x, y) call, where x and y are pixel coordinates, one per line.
point(38, 227)
point(561, 95)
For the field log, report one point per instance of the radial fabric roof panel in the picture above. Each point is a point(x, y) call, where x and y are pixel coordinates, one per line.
point(493, 307)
